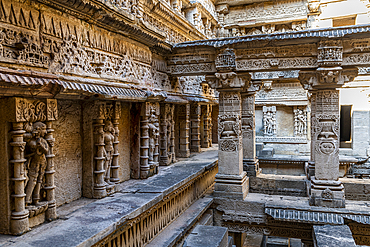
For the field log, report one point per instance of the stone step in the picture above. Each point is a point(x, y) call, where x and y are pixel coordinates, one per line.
point(180, 227)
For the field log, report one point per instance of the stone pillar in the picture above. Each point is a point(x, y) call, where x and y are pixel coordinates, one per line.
point(250, 162)
point(183, 118)
point(149, 139)
point(51, 213)
point(195, 127)
point(231, 181)
point(115, 162)
point(19, 216)
point(207, 126)
point(106, 154)
point(326, 189)
point(167, 135)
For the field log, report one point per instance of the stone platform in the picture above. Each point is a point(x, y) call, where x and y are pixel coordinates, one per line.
point(86, 222)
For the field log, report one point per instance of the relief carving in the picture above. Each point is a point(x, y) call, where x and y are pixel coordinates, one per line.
point(300, 121)
point(106, 135)
point(269, 120)
point(33, 164)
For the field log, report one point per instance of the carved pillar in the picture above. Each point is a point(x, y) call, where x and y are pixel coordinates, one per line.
point(326, 189)
point(250, 162)
point(195, 127)
point(231, 181)
point(167, 135)
point(115, 159)
point(106, 134)
point(183, 118)
point(49, 186)
point(207, 126)
point(149, 139)
point(32, 161)
point(19, 216)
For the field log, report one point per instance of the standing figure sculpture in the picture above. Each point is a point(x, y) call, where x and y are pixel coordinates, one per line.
point(268, 122)
point(108, 149)
point(301, 122)
point(37, 148)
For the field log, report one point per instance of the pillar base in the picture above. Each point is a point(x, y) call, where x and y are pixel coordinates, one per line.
point(327, 193)
point(51, 212)
point(19, 223)
point(231, 186)
point(100, 193)
point(251, 166)
point(183, 154)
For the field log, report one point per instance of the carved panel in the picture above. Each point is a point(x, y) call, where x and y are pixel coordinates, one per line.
point(106, 135)
point(269, 120)
point(281, 63)
point(32, 160)
point(300, 121)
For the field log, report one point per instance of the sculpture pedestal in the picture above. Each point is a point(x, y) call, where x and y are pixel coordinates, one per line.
point(231, 186)
point(327, 193)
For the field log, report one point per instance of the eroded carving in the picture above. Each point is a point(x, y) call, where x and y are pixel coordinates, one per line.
point(269, 120)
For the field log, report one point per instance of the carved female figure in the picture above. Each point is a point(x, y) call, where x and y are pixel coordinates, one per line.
point(36, 162)
point(108, 149)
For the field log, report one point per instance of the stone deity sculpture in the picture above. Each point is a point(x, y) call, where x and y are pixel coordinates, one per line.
point(108, 149)
point(37, 148)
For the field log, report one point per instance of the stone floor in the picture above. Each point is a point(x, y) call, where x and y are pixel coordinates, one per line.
point(84, 221)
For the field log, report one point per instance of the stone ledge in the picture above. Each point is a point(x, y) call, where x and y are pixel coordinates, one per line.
point(99, 219)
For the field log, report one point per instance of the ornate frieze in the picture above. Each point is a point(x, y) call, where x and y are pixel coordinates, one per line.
point(282, 92)
point(285, 51)
point(271, 12)
point(32, 161)
point(274, 63)
point(225, 61)
point(106, 134)
point(330, 53)
point(292, 140)
point(269, 120)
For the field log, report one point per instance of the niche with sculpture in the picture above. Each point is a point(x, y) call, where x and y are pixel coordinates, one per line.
point(106, 133)
point(32, 163)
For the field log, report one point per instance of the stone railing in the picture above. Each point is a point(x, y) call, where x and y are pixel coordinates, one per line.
point(140, 230)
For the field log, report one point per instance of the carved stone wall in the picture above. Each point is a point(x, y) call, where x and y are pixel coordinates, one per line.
point(149, 139)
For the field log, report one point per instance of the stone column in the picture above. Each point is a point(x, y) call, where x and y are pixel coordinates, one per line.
point(195, 127)
point(167, 133)
point(115, 162)
point(250, 162)
point(183, 118)
point(19, 216)
point(99, 184)
point(326, 189)
point(207, 126)
point(149, 139)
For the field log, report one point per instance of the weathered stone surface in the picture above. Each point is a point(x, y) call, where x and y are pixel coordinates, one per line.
point(330, 236)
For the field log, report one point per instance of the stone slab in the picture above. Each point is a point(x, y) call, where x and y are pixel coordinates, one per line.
point(95, 220)
point(333, 236)
point(210, 236)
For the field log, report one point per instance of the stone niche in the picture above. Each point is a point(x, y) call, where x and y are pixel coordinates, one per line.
point(101, 148)
point(27, 174)
point(282, 117)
